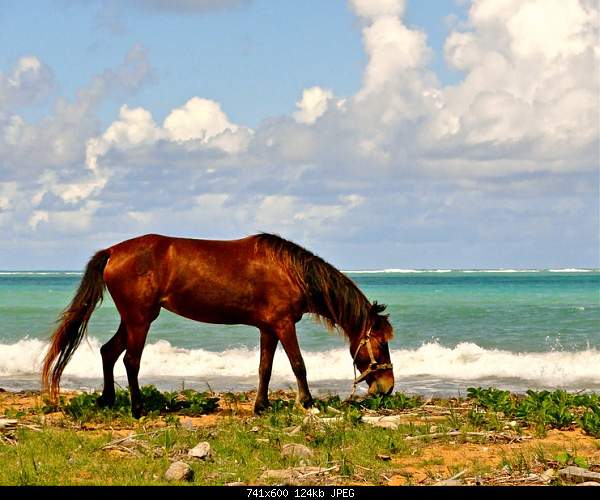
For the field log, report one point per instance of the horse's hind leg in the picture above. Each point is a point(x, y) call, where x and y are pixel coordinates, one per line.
point(136, 338)
point(287, 335)
point(268, 344)
point(110, 353)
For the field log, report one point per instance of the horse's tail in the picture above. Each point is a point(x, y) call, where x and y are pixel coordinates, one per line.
point(73, 323)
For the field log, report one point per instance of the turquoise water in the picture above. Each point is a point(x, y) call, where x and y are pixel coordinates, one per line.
point(513, 311)
point(520, 329)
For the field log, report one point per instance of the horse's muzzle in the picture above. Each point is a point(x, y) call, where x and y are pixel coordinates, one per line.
point(382, 385)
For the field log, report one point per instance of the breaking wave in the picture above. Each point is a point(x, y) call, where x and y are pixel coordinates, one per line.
point(464, 362)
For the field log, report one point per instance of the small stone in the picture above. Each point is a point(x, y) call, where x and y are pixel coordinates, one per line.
point(589, 483)
point(294, 430)
point(281, 474)
point(201, 450)
point(449, 482)
point(235, 483)
point(433, 429)
point(296, 450)
point(387, 422)
point(179, 471)
point(547, 475)
point(254, 429)
point(578, 474)
point(8, 423)
point(385, 458)
point(187, 424)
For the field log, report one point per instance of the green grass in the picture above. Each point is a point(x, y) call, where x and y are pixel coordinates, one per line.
point(245, 446)
point(68, 456)
point(83, 408)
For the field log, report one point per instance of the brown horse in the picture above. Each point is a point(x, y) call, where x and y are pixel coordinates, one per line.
point(262, 280)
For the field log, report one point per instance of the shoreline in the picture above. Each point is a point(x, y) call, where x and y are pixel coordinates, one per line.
point(424, 386)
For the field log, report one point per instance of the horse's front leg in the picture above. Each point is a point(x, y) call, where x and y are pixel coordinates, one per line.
point(287, 335)
point(268, 344)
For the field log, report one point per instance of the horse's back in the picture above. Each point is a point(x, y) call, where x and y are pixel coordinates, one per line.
point(217, 281)
point(160, 260)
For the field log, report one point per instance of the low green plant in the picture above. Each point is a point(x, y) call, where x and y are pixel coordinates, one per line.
point(83, 407)
point(547, 408)
point(492, 399)
point(518, 463)
point(541, 409)
point(396, 401)
point(590, 421)
point(565, 458)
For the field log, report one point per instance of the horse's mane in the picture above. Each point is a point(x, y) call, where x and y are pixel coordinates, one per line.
point(330, 295)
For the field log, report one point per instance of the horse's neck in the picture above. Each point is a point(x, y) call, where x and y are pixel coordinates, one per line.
point(350, 330)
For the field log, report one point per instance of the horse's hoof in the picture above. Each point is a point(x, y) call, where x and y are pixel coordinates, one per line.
point(304, 404)
point(260, 407)
point(138, 412)
point(104, 402)
point(307, 403)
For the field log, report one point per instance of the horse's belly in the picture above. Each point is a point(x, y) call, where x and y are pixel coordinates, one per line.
point(225, 313)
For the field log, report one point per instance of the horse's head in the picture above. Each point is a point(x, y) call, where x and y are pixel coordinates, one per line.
point(371, 352)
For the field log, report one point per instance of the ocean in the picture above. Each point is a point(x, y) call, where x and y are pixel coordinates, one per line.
point(514, 329)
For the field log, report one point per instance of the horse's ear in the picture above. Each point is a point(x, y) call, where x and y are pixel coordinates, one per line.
point(377, 308)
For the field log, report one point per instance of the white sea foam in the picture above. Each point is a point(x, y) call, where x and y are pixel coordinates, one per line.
point(466, 361)
point(498, 271)
point(399, 271)
point(509, 271)
point(419, 271)
point(384, 271)
point(570, 270)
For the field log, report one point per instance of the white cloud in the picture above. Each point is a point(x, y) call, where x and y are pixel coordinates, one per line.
point(8, 192)
point(70, 191)
point(392, 48)
point(200, 119)
point(567, 31)
point(37, 217)
point(313, 104)
point(291, 214)
point(48, 188)
point(133, 128)
point(65, 222)
point(529, 86)
point(199, 124)
point(59, 139)
point(405, 159)
point(372, 9)
point(29, 80)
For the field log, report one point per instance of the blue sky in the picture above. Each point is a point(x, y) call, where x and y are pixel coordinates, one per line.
point(291, 45)
point(384, 133)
